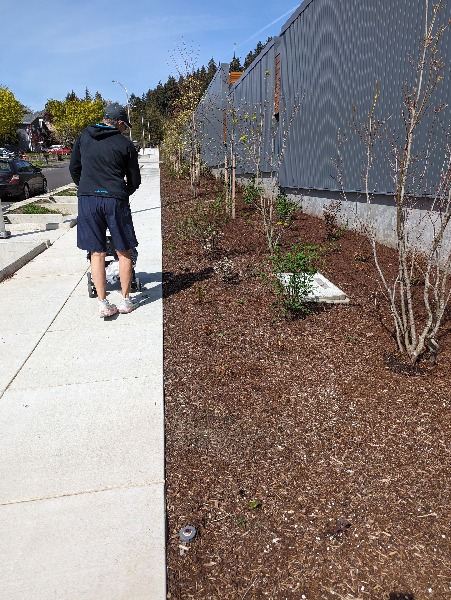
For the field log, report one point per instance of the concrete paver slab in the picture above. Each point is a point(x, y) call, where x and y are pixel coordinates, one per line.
point(17, 317)
point(17, 255)
point(23, 246)
point(15, 348)
point(81, 437)
point(89, 354)
point(82, 309)
point(99, 546)
point(33, 289)
point(55, 265)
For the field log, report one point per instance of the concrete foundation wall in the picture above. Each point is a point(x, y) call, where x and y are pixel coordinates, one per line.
point(379, 219)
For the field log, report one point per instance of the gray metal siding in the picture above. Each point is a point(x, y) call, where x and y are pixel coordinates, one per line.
point(209, 115)
point(334, 51)
point(253, 94)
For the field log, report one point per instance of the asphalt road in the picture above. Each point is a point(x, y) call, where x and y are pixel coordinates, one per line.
point(57, 175)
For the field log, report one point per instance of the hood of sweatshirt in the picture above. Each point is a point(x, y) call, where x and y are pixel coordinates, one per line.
point(100, 131)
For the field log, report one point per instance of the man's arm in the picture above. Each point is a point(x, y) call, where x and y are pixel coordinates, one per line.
point(75, 162)
point(133, 173)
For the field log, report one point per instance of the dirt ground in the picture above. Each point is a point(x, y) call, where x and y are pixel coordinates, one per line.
point(312, 460)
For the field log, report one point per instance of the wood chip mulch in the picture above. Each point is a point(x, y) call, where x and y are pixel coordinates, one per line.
point(311, 458)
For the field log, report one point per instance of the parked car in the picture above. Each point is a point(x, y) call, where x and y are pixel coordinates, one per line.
point(19, 179)
point(57, 149)
point(5, 153)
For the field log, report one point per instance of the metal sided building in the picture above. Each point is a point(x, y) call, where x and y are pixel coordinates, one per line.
point(211, 117)
point(331, 54)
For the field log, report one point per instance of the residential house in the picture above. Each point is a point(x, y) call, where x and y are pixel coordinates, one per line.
point(33, 132)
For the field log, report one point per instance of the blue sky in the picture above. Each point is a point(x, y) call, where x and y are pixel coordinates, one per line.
point(51, 48)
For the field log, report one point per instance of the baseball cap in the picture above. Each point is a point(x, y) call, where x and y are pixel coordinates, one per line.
point(116, 112)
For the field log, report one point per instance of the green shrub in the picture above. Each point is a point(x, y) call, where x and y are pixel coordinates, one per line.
point(66, 192)
point(286, 208)
point(299, 264)
point(252, 194)
point(335, 228)
point(204, 223)
point(35, 209)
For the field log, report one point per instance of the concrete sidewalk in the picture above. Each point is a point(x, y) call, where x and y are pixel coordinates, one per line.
point(82, 502)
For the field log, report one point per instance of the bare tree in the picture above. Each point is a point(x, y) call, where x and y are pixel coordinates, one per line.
point(252, 126)
point(420, 214)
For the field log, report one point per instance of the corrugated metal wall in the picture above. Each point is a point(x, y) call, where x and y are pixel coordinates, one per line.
point(210, 113)
point(252, 99)
point(333, 52)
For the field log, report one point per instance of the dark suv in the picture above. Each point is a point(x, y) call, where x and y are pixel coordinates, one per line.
point(20, 179)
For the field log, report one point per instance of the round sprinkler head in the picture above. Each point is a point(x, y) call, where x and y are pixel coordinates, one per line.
point(187, 534)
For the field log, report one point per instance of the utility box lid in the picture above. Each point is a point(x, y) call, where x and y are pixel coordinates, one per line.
point(322, 290)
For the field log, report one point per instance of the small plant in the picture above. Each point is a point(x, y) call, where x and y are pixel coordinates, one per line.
point(252, 193)
point(334, 229)
point(200, 292)
point(206, 171)
point(241, 522)
point(361, 257)
point(293, 277)
point(205, 223)
point(254, 504)
point(35, 209)
point(66, 192)
point(286, 209)
point(351, 338)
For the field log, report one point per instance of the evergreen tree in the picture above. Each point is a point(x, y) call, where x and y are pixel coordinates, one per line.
point(211, 70)
point(235, 65)
point(258, 49)
point(171, 93)
point(248, 60)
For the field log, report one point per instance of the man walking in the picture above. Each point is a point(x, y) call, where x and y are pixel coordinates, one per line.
point(104, 165)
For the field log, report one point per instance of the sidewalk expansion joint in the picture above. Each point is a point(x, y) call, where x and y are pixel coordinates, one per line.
point(39, 340)
point(82, 492)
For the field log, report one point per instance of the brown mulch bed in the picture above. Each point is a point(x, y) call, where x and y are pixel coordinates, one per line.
point(311, 458)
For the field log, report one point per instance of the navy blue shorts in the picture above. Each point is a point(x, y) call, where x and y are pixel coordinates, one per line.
point(95, 215)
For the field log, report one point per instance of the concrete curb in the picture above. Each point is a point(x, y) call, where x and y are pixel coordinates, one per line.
point(16, 264)
point(13, 254)
point(34, 199)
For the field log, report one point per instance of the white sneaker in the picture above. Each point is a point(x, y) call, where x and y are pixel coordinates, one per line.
point(128, 305)
point(106, 309)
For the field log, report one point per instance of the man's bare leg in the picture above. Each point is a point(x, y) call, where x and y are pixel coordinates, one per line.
point(98, 273)
point(125, 271)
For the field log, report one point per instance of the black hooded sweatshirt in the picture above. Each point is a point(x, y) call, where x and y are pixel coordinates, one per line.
point(100, 159)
